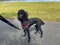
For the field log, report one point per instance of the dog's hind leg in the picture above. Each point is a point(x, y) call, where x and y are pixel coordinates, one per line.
point(41, 31)
point(36, 29)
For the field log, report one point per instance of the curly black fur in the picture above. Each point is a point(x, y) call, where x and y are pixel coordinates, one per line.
point(23, 17)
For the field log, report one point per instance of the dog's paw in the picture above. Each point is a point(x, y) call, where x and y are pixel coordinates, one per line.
point(35, 32)
point(41, 36)
point(24, 35)
point(29, 39)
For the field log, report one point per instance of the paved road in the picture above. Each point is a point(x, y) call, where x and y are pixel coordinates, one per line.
point(11, 36)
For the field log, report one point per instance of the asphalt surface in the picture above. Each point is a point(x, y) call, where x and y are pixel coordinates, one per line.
point(12, 36)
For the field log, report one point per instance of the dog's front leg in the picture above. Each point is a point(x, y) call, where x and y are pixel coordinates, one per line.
point(28, 34)
point(24, 32)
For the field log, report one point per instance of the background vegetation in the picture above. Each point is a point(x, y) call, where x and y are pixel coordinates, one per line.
point(47, 11)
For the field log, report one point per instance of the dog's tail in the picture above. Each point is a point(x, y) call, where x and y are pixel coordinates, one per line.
point(42, 22)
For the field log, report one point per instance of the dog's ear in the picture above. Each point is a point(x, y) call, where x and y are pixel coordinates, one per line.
point(26, 15)
point(19, 12)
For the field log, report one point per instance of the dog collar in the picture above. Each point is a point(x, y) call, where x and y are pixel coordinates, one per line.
point(26, 26)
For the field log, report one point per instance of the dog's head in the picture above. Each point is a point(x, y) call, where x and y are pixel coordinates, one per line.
point(22, 14)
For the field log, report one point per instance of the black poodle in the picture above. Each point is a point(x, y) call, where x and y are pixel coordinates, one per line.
point(26, 23)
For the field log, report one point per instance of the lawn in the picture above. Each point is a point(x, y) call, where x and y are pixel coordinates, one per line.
point(47, 11)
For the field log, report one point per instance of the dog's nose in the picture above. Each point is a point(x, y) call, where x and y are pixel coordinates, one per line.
point(21, 15)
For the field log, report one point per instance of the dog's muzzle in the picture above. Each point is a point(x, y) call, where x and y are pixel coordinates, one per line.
point(20, 16)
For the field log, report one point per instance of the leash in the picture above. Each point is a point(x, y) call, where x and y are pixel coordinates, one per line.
point(7, 22)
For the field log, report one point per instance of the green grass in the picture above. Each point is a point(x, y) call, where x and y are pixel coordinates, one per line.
point(48, 11)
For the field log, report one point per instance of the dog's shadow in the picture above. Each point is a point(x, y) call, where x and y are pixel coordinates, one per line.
point(32, 28)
